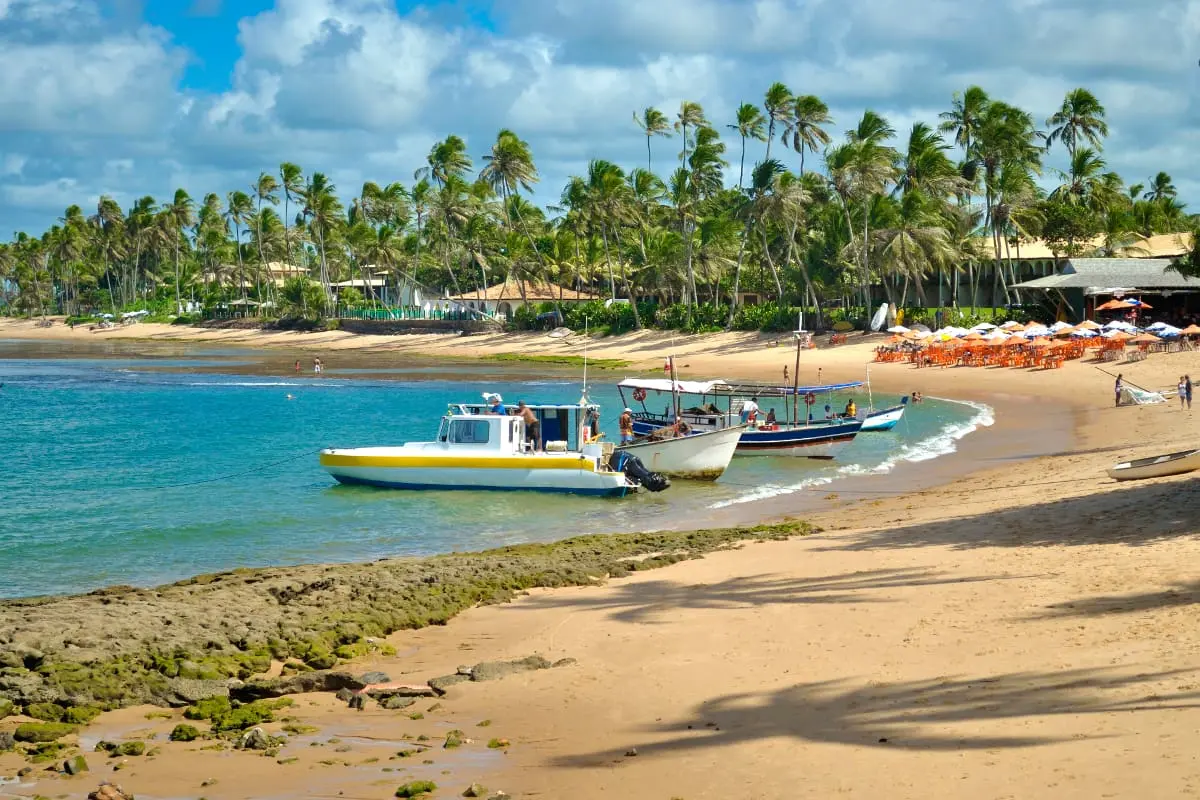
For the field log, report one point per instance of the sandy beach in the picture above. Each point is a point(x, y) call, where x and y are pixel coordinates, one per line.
point(1024, 628)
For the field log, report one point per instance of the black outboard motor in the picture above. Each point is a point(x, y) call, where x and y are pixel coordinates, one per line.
point(634, 469)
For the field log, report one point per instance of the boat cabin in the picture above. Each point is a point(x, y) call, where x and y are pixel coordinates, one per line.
point(564, 428)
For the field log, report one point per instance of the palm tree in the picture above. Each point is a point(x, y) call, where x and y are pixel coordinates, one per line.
point(652, 122)
point(1161, 188)
point(509, 168)
point(750, 125)
point(238, 208)
point(690, 115)
point(778, 104)
point(965, 117)
point(915, 245)
point(323, 211)
point(180, 215)
point(264, 190)
point(291, 180)
point(447, 159)
point(1081, 117)
point(809, 113)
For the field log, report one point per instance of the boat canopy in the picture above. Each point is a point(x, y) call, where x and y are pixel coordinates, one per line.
point(720, 387)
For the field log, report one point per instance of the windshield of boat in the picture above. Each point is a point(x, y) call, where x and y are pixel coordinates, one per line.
point(470, 431)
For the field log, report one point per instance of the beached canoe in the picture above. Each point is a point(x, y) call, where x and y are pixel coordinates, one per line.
point(1156, 466)
point(700, 456)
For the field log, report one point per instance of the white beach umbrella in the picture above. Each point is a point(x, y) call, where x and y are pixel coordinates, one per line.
point(983, 326)
point(1058, 326)
point(991, 337)
point(1010, 324)
point(1083, 333)
point(1167, 330)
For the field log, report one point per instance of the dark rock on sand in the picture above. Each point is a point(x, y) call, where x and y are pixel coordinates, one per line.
point(441, 684)
point(395, 702)
point(374, 677)
point(358, 702)
point(494, 670)
point(316, 681)
point(401, 690)
point(7, 742)
point(109, 791)
point(75, 766)
point(564, 662)
point(475, 790)
point(345, 695)
point(186, 691)
point(255, 739)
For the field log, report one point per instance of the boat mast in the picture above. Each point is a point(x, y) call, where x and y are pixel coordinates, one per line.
point(796, 382)
point(870, 396)
point(583, 398)
point(674, 388)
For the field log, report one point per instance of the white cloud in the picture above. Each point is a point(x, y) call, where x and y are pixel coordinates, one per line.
point(360, 91)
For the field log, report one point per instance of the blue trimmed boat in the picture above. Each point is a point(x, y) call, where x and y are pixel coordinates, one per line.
point(808, 436)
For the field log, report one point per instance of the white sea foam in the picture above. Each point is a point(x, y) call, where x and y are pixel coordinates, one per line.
point(321, 385)
point(941, 443)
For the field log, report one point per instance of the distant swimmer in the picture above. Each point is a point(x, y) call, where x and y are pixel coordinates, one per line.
point(291, 397)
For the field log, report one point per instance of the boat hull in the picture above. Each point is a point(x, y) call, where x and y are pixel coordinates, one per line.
point(883, 420)
point(702, 456)
point(819, 440)
point(530, 472)
point(1157, 466)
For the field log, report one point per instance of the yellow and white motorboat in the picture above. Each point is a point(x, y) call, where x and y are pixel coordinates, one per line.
point(479, 449)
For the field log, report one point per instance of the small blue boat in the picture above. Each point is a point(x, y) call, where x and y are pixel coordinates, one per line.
point(886, 419)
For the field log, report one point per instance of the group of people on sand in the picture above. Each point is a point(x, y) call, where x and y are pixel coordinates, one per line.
point(1185, 392)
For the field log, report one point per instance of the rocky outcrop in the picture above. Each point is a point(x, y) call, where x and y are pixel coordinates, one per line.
point(109, 791)
point(301, 683)
point(494, 670)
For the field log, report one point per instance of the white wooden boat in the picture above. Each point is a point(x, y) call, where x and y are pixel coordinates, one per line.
point(1156, 466)
point(475, 450)
point(702, 456)
point(884, 420)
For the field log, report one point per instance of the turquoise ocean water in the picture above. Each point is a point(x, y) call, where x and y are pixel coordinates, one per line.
point(96, 451)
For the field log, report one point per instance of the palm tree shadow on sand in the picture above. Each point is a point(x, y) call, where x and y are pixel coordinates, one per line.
point(911, 715)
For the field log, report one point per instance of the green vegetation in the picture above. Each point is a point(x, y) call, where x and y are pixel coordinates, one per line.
point(416, 789)
point(931, 215)
point(184, 733)
point(296, 616)
point(454, 739)
point(134, 748)
point(497, 744)
point(43, 731)
point(81, 715)
point(573, 361)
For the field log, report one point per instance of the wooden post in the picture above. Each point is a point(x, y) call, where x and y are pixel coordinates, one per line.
point(796, 383)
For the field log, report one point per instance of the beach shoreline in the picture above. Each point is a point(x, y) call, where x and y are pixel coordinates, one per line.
point(987, 636)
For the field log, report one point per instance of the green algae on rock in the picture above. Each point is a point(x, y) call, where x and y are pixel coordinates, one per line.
point(162, 646)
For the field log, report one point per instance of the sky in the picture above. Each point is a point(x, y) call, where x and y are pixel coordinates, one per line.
point(136, 97)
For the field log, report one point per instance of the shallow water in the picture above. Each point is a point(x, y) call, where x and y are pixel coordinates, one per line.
point(121, 471)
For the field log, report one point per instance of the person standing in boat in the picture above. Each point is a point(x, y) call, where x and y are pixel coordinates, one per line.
point(750, 410)
point(851, 409)
point(533, 428)
point(625, 424)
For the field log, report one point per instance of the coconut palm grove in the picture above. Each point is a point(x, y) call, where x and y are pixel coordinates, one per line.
point(783, 202)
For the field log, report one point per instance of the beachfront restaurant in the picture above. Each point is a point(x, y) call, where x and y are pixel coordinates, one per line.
point(503, 299)
point(1081, 285)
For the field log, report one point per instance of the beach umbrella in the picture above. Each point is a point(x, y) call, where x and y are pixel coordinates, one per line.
point(1060, 325)
point(1083, 333)
point(1089, 325)
point(1041, 341)
point(1012, 326)
point(983, 326)
point(1112, 305)
point(898, 329)
point(1191, 330)
point(1135, 303)
point(1118, 335)
point(1014, 341)
point(920, 327)
point(1065, 331)
point(1145, 338)
point(973, 336)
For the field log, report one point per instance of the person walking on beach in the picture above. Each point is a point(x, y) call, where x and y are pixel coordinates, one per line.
point(785, 375)
point(317, 366)
point(1117, 387)
point(533, 428)
point(1181, 390)
point(297, 366)
point(625, 425)
point(1187, 384)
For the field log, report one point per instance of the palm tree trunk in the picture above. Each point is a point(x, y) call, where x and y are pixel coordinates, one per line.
point(178, 301)
point(742, 167)
point(648, 167)
point(771, 262)
point(237, 236)
point(737, 276)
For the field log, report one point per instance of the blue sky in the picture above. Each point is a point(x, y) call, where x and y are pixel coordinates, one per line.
point(135, 97)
